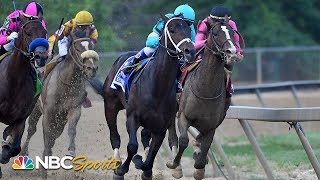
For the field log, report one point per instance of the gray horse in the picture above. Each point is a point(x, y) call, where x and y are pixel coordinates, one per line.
point(62, 95)
point(203, 103)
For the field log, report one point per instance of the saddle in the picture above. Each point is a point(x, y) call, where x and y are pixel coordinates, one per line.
point(5, 55)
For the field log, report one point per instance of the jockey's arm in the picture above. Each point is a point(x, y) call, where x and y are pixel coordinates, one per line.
point(201, 36)
point(235, 36)
point(67, 27)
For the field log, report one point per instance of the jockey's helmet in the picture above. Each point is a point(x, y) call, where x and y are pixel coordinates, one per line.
point(218, 12)
point(186, 11)
point(83, 18)
point(33, 9)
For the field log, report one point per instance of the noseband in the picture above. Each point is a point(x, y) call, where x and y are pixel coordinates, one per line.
point(177, 52)
point(77, 57)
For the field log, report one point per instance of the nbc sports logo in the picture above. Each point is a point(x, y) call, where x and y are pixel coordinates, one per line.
point(23, 162)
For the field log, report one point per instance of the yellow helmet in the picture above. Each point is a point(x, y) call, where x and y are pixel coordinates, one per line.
point(83, 18)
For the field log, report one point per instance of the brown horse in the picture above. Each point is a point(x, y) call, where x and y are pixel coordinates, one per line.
point(17, 88)
point(152, 99)
point(203, 103)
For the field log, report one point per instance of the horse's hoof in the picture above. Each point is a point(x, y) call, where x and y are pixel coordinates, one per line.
point(117, 177)
point(198, 174)
point(120, 171)
point(137, 160)
point(71, 154)
point(177, 172)
point(172, 165)
point(4, 160)
point(146, 175)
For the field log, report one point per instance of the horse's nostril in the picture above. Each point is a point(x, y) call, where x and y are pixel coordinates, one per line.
point(187, 51)
point(228, 51)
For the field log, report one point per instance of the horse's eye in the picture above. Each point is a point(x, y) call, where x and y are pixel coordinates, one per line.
point(29, 33)
point(171, 30)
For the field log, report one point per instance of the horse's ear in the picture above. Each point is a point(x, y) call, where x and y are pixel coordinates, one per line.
point(163, 17)
point(210, 21)
point(23, 19)
point(226, 19)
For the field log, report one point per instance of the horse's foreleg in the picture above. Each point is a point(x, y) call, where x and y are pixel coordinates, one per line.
point(52, 129)
point(73, 119)
point(183, 125)
point(145, 139)
point(111, 117)
point(173, 143)
point(201, 157)
point(12, 144)
point(146, 166)
point(32, 128)
point(132, 147)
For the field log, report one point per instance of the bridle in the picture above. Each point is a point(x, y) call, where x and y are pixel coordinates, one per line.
point(177, 52)
point(77, 57)
point(218, 49)
point(26, 44)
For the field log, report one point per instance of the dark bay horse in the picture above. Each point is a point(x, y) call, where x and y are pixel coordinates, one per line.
point(152, 99)
point(17, 87)
point(203, 103)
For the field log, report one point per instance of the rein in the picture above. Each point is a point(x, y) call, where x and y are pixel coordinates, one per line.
point(196, 93)
point(74, 58)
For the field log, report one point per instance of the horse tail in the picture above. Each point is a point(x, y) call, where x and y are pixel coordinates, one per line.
point(97, 85)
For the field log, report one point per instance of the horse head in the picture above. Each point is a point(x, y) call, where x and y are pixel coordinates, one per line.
point(220, 40)
point(82, 53)
point(31, 40)
point(176, 37)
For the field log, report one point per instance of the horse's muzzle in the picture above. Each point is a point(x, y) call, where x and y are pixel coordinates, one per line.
point(189, 55)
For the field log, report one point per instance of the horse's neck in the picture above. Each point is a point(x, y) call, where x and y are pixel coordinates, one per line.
point(70, 72)
point(163, 71)
point(19, 67)
point(210, 74)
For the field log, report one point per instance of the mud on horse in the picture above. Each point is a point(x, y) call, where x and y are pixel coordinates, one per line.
point(62, 95)
point(152, 99)
point(17, 87)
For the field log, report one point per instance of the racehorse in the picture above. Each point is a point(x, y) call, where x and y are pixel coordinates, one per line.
point(17, 87)
point(204, 103)
point(152, 98)
point(63, 93)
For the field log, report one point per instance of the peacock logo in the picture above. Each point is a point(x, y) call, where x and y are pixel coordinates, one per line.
point(23, 162)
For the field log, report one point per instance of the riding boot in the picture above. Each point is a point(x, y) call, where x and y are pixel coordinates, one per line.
point(137, 58)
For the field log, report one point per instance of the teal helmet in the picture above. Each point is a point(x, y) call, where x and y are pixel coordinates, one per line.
point(186, 11)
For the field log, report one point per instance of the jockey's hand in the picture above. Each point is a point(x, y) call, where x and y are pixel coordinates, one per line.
point(12, 36)
point(50, 55)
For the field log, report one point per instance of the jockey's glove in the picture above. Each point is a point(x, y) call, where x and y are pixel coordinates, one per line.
point(12, 36)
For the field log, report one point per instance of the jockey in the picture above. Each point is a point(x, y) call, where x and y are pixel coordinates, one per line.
point(217, 13)
point(81, 25)
point(12, 25)
point(152, 42)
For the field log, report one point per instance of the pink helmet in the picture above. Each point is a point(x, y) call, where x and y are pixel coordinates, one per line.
point(32, 9)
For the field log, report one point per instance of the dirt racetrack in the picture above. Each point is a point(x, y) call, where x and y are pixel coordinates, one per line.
point(93, 141)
